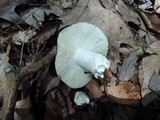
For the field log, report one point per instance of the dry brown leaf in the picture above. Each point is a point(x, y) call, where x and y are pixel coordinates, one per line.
point(5, 24)
point(152, 22)
point(157, 6)
point(133, 20)
point(128, 69)
point(154, 48)
point(7, 10)
point(65, 4)
point(32, 15)
point(7, 80)
point(108, 4)
point(124, 92)
point(4, 59)
point(48, 84)
point(125, 51)
point(24, 110)
point(23, 36)
point(94, 89)
point(46, 31)
point(147, 96)
point(113, 54)
point(154, 83)
point(149, 65)
point(107, 20)
point(137, 23)
point(128, 14)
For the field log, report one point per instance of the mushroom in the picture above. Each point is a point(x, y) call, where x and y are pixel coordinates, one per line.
point(82, 48)
point(81, 98)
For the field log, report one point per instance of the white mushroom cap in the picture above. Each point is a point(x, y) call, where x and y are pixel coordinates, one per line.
point(80, 35)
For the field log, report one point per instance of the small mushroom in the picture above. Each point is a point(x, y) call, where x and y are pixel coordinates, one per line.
point(81, 98)
point(82, 48)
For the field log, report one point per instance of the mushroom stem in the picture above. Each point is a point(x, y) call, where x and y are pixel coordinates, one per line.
point(91, 62)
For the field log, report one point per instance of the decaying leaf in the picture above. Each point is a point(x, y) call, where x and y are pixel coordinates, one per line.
point(23, 36)
point(94, 90)
point(154, 83)
point(47, 30)
point(125, 51)
point(149, 65)
point(5, 24)
point(152, 22)
point(63, 3)
point(128, 14)
point(124, 92)
point(145, 5)
point(65, 89)
point(113, 53)
point(4, 59)
point(135, 22)
point(49, 83)
point(7, 10)
point(34, 15)
point(132, 19)
point(157, 6)
point(24, 110)
point(128, 69)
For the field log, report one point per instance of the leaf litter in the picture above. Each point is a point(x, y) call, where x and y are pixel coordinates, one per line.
point(128, 68)
point(133, 78)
